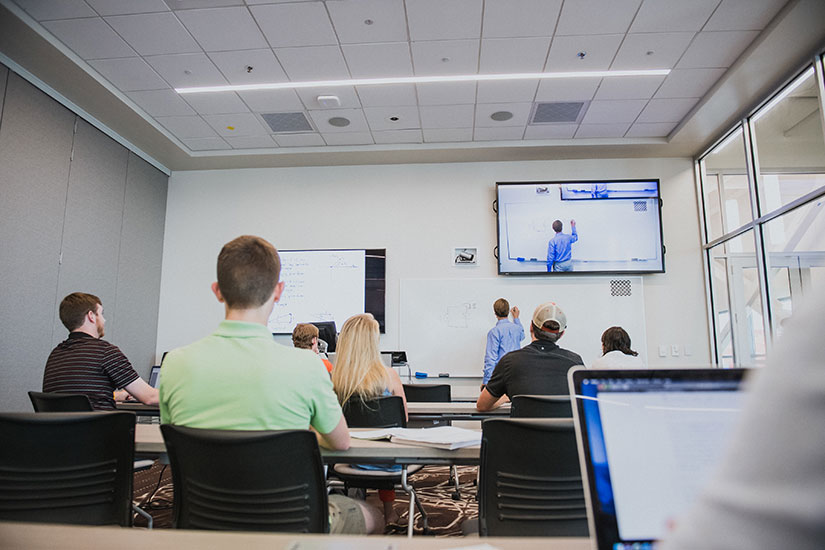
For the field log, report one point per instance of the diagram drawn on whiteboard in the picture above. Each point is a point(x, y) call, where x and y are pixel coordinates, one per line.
point(457, 316)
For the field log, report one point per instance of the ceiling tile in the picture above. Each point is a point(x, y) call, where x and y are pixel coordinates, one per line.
point(517, 18)
point(90, 38)
point(43, 10)
point(387, 95)
point(398, 136)
point(244, 124)
point(270, 101)
point(251, 142)
point(234, 66)
point(551, 131)
point(254, 2)
point(125, 7)
point(161, 103)
point(221, 29)
point(216, 104)
point(197, 4)
point(346, 94)
point(602, 130)
point(629, 87)
point(716, 49)
point(154, 33)
point(454, 19)
point(379, 118)
point(567, 89)
point(743, 15)
point(667, 48)
point(447, 116)
point(461, 57)
point(521, 113)
point(313, 63)
point(206, 144)
point(299, 24)
point(446, 93)
point(666, 110)
point(387, 21)
point(187, 69)
point(513, 55)
point(672, 15)
point(442, 135)
point(591, 17)
point(599, 52)
point(511, 91)
point(349, 138)
point(658, 129)
point(299, 140)
point(498, 134)
point(130, 74)
point(689, 82)
point(378, 60)
point(187, 126)
point(613, 111)
point(356, 117)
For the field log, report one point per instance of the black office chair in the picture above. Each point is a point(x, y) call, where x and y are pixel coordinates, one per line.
point(535, 490)
point(427, 393)
point(60, 402)
point(541, 406)
point(67, 467)
point(242, 480)
point(382, 412)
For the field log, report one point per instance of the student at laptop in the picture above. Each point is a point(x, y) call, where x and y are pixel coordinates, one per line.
point(539, 367)
point(616, 352)
point(305, 336)
point(770, 489)
point(239, 378)
point(85, 363)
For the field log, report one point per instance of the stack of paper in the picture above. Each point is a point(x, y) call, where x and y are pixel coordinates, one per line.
point(440, 437)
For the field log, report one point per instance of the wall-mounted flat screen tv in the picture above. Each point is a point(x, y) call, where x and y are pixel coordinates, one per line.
point(568, 227)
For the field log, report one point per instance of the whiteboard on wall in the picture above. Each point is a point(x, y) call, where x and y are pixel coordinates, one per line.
point(443, 323)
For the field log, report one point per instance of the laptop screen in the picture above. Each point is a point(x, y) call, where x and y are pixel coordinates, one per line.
point(154, 376)
point(649, 439)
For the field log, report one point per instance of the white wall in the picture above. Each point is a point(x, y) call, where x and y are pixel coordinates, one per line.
point(418, 213)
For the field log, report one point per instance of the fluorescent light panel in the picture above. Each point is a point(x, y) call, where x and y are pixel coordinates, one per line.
point(418, 80)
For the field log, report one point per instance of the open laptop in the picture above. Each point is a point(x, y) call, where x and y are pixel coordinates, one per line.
point(648, 441)
point(154, 376)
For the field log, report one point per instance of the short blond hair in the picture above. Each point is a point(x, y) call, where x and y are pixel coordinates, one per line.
point(303, 335)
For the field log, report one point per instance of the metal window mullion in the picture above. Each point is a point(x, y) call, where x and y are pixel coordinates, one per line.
point(819, 73)
point(699, 174)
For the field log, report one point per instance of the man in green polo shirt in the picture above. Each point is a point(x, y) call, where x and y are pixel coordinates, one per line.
point(239, 378)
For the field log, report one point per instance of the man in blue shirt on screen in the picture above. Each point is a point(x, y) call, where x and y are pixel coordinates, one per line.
point(559, 253)
point(502, 338)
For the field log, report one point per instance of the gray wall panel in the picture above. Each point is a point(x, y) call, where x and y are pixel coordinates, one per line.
point(141, 252)
point(94, 216)
point(35, 145)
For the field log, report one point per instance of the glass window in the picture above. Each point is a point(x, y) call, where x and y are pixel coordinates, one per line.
point(737, 303)
point(789, 144)
point(712, 203)
point(795, 244)
point(726, 195)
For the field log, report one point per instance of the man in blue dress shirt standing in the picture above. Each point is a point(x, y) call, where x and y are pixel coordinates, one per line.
point(559, 254)
point(503, 338)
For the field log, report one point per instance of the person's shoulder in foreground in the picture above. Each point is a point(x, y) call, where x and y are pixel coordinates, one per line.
point(769, 491)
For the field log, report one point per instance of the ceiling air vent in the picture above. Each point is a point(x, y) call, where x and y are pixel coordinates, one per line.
point(287, 122)
point(569, 112)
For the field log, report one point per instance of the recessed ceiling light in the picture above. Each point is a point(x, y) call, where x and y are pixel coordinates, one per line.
point(338, 121)
point(419, 80)
point(501, 116)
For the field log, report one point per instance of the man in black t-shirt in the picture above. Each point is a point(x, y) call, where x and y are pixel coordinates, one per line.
point(538, 368)
point(85, 364)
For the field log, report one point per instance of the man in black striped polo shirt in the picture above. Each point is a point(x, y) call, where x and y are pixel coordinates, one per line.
point(83, 363)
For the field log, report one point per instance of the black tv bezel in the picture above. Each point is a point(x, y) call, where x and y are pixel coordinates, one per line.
point(500, 184)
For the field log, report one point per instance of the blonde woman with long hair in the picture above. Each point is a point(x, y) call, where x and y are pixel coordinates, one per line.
point(360, 373)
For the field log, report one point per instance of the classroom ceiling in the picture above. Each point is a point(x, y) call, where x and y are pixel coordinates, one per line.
point(132, 54)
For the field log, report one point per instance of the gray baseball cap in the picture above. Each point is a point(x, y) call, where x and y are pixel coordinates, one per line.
point(549, 311)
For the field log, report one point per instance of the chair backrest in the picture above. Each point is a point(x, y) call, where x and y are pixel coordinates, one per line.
point(241, 480)
point(67, 467)
point(60, 402)
point(382, 412)
point(541, 406)
point(427, 393)
point(534, 489)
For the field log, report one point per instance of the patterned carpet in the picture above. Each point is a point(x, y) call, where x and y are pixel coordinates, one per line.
point(153, 493)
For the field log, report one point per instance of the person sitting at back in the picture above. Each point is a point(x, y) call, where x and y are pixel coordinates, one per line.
point(360, 374)
point(305, 336)
point(239, 378)
point(538, 368)
point(616, 352)
point(84, 363)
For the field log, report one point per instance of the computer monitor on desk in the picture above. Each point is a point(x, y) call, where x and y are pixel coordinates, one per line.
point(327, 333)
